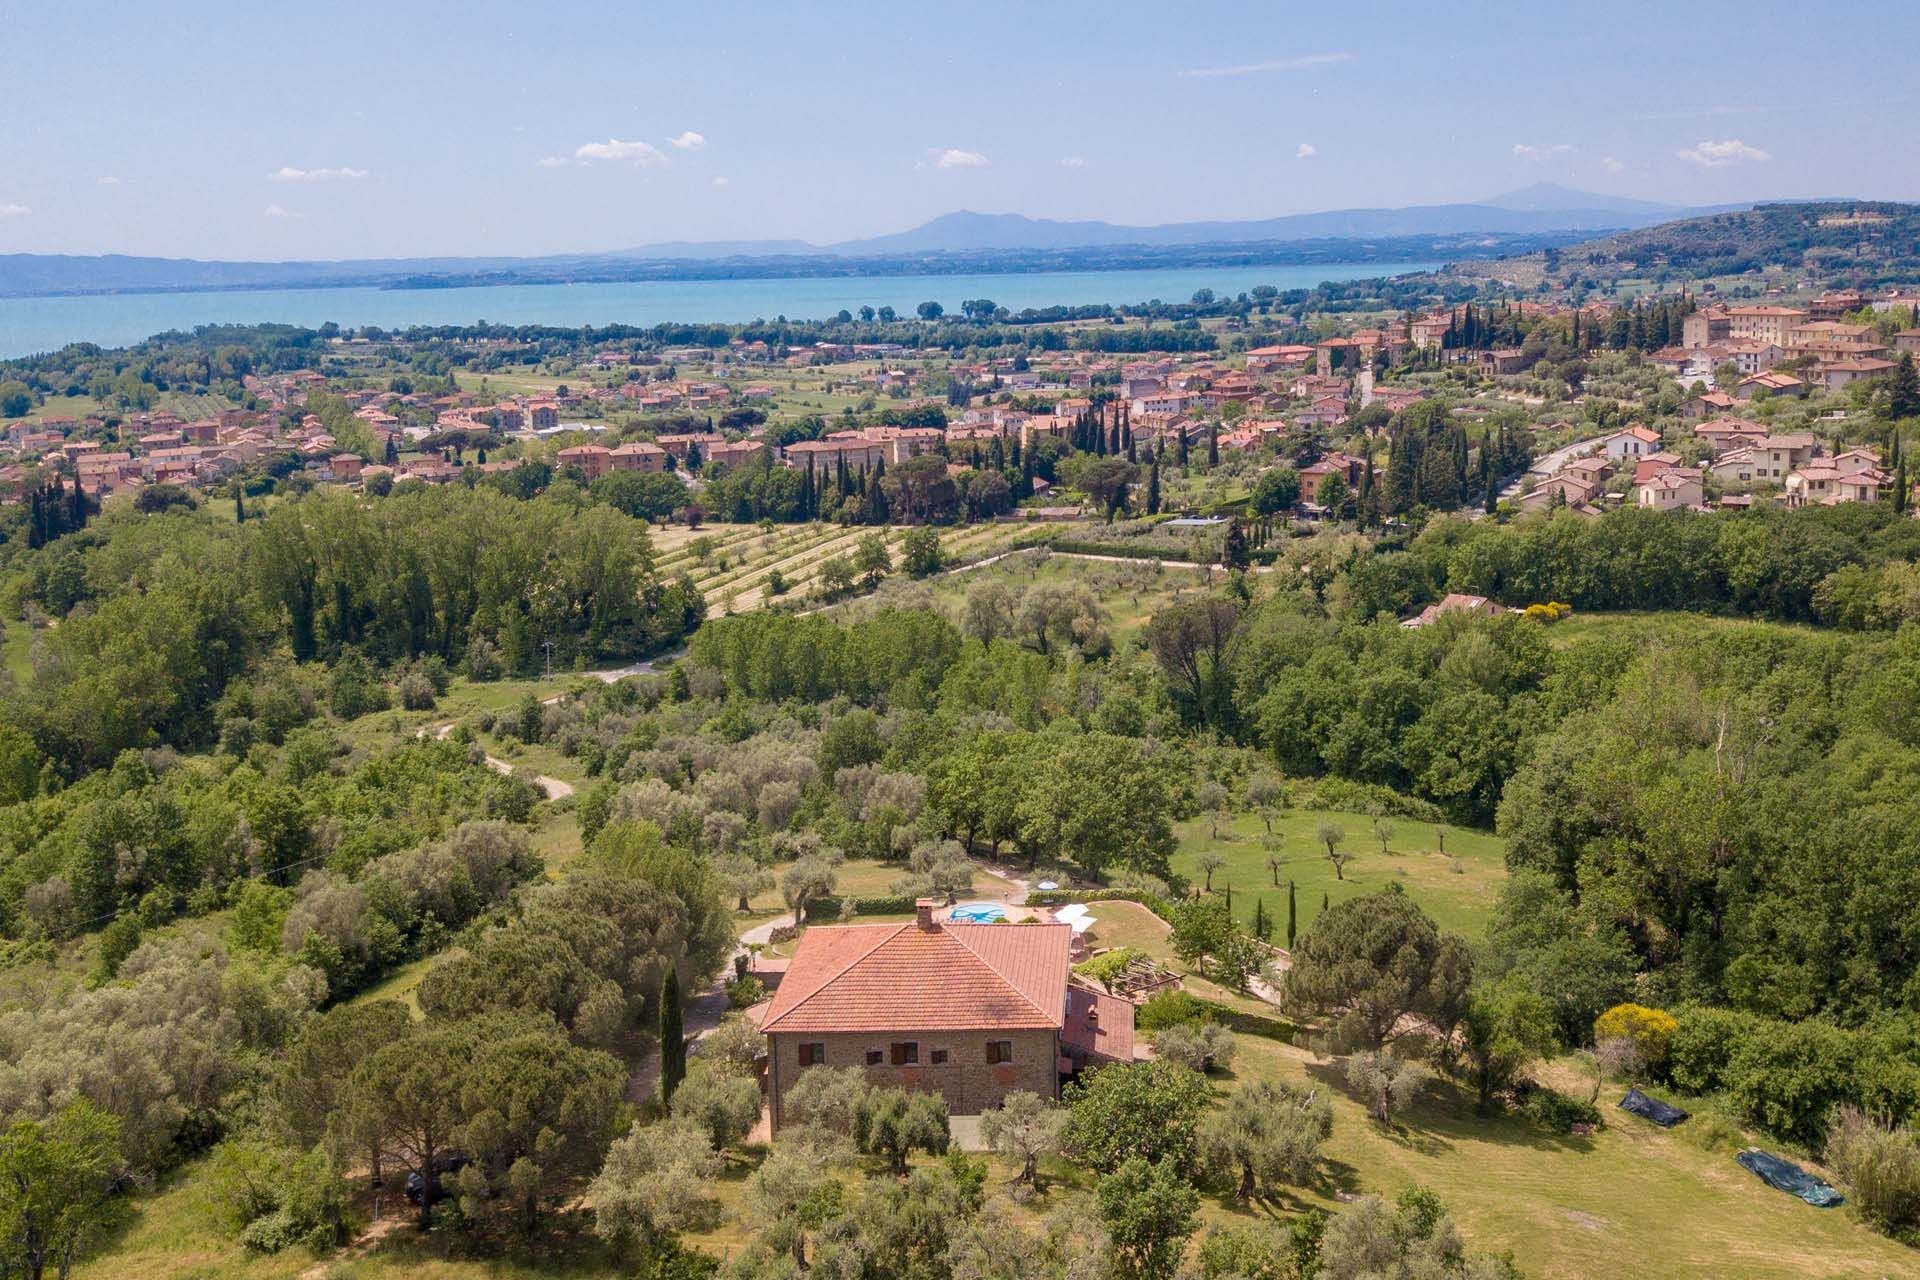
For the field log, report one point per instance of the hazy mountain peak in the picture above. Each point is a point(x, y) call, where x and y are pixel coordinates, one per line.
point(1544, 197)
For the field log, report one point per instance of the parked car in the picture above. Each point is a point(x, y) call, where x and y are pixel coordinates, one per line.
point(446, 1163)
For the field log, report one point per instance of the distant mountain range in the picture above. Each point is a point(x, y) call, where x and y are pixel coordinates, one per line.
point(1542, 209)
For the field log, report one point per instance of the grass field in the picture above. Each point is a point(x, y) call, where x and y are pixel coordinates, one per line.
point(1632, 1200)
point(1457, 889)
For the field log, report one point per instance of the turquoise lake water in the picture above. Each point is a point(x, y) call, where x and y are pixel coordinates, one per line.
point(28, 325)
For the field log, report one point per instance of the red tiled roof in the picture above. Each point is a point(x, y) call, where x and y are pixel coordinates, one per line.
point(1109, 1034)
point(877, 977)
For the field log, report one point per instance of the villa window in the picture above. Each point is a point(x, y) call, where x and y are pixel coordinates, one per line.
point(876, 1056)
point(906, 1053)
point(999, 1051)
point(938, 1058)
point(813, 1054)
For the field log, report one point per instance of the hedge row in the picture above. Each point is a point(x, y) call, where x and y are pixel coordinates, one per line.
point(1787, 1077)
point(1119, 550)
point(886, 904)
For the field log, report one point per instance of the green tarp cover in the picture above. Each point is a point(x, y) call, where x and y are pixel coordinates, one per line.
point(1790, 1178)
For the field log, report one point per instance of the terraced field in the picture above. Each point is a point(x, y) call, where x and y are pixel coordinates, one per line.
point(733, 564)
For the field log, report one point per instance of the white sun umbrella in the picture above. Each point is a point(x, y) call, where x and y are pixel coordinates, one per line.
point(1072, 911)
point(1080, 924)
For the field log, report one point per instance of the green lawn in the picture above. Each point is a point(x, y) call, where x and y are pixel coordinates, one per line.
point(16, 652)
point(1632, 1200)
point(1457, 889)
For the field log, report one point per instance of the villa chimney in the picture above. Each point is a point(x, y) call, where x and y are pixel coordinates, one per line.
point(923, 912)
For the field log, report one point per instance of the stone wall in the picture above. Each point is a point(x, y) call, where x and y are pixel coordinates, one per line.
point(970, 1084)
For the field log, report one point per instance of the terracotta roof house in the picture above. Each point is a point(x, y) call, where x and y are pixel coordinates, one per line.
point(970, 1011)
point(1671, 490)
point(1453, 602)
point(1694, 408)
point(1773, 382)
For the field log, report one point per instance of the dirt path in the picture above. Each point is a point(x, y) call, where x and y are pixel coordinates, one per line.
point(554, 787)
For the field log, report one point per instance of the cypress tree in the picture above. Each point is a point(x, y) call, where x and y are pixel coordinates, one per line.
point(1213, 445)
point(673, 1040)
point(1293, 915)
point(1903, 393)
point(1153, 487)
point(239, 503)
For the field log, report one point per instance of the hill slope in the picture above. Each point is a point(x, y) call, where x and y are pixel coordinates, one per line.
point(1861, 243)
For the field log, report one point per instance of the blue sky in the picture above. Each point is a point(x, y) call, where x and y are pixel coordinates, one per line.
point(350, 129)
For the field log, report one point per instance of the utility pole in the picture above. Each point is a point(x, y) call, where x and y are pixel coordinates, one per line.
point(548, 646)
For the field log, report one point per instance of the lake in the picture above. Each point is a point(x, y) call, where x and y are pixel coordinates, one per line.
point(29, 325)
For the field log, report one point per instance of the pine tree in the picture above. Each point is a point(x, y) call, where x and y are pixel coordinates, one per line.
point(1293, 915)
point(673, 1040)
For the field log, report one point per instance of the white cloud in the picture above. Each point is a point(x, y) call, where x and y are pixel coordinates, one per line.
point(553, 162)
point(720, 182)
point(1300, 63)
point(1073, 162)
point(14, 211)
point(688, 141)
point(644, 154)
point(275, 211)
point(107, 180)
point(954, 158)
point(1718, 155)
point(1305, 151)
point(1545, 151)
point(1612, 165)
point(287, 173)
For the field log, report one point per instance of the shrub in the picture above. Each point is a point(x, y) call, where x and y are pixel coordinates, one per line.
point(271, 1232)
point(742, 992)
point(1203, 1046)
point(1554, 1110)
point(1170, 1007)
point(1649, 1030)
point(1880, 1163)
point(1702, 1044)
point(484, 661)
point(1107, 965)
point(416, 692)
